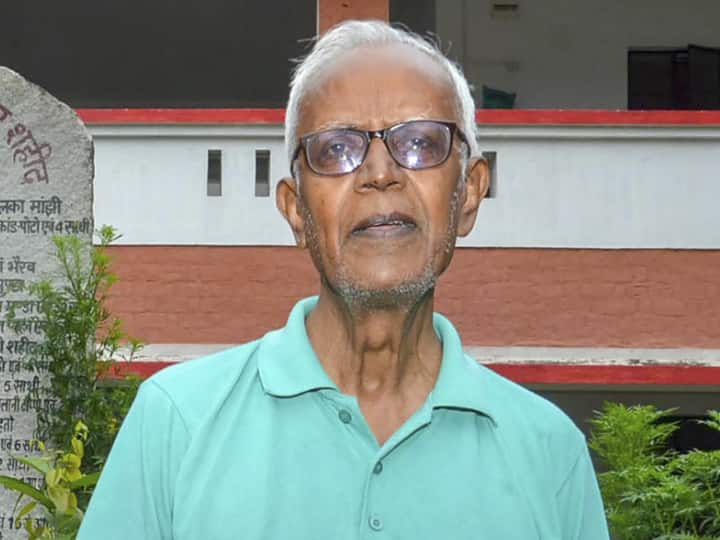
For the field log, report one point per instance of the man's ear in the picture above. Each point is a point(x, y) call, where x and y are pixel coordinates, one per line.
point(287, 199)
point(477, 180)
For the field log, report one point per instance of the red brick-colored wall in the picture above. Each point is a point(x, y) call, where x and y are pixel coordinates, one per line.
point(544, 297)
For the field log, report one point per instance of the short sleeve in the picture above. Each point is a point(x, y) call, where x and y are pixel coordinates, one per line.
point(134, 497)
point(580, 505)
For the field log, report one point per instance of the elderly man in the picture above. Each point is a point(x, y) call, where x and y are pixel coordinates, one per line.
point(362, 417)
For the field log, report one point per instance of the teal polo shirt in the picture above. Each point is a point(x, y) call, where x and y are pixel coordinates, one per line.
point(257, 442)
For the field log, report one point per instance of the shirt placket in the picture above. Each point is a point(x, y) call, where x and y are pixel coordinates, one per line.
point(376, 521)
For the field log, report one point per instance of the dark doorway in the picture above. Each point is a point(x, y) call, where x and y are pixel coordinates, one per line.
point(704, 77)
point(674, 79)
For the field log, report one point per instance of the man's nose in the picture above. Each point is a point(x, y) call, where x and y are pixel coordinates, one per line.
point(379, 170)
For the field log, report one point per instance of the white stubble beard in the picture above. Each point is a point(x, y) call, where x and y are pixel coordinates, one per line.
point(405, 294)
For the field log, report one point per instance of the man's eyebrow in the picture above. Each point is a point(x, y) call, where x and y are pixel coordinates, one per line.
point(335, 125)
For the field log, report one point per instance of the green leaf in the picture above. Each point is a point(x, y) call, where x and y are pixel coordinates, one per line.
point(33, 532)
point(41, 464)
point(29, 507)
point(86, 481)
point(21, 487)
point(713, 420)
point(62, 498)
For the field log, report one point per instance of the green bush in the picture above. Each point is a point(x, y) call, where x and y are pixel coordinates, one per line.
point(85, 397)
point(650, 492)
point(80, 337)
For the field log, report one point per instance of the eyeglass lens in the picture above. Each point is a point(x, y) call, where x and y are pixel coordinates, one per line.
point(413, 145)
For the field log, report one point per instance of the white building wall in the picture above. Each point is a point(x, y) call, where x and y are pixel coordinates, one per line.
point(568, 53)
point(556, 186)
point(151, 184)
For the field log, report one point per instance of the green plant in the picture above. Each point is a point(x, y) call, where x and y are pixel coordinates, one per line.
point(61, 515)
point(81, 337)
point(650, 492)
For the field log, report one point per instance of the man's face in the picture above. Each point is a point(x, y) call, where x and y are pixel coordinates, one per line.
point(382, 234)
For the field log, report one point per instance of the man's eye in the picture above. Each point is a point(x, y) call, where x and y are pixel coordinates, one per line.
point(335, 151)
point(338, 149)
point(418, 143)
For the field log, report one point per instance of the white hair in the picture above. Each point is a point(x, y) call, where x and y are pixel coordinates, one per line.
point(350, 35)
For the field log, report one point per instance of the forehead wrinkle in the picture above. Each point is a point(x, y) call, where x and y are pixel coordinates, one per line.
point(386, 121)
point(334, 124)
point(306, 122)
point(422, 115)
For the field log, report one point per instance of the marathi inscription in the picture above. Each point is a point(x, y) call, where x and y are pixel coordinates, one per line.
point(11, 285)
point(20, 335)
point(8, 521)
point(42, 206)
point(39, 216)
point(46, 172)
point(18, 266)
point(30, 155)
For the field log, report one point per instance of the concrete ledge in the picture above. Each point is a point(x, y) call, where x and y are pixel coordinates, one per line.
point(573, 356)
point(595, 356)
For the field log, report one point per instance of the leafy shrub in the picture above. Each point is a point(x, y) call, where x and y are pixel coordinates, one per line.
point(81, 342)
point(650, 492)
point(80, 334)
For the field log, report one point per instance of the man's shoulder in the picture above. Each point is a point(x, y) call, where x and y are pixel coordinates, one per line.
point(220, 364)
point(536, 435)
point(199, 386)
point(518, 409)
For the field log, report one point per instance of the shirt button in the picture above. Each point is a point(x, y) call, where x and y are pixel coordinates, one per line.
point(345, 416)
point(376, 523)
point(377, 469)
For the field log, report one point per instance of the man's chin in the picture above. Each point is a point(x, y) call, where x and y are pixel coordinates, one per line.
point(401, 294)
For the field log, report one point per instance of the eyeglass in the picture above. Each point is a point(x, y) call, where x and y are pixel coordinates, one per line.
point(417, 144)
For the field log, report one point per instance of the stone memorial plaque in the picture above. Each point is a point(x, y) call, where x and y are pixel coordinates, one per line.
point(46, 175)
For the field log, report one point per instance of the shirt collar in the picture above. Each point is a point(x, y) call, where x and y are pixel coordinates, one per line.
point(288, 365)
point(462, 382)
point(287, 362)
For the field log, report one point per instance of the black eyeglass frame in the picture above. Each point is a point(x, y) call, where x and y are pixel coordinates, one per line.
point(382, 135)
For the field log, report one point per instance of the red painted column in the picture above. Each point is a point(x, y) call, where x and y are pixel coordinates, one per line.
point(331, 12)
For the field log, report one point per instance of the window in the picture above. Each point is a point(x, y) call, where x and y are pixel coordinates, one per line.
point(214, 173)
point(674, 79)
point(262, 173)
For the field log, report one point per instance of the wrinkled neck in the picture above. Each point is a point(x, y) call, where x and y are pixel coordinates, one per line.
point(376, 352)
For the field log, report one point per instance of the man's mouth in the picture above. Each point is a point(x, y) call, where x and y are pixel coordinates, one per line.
point(384, 225)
